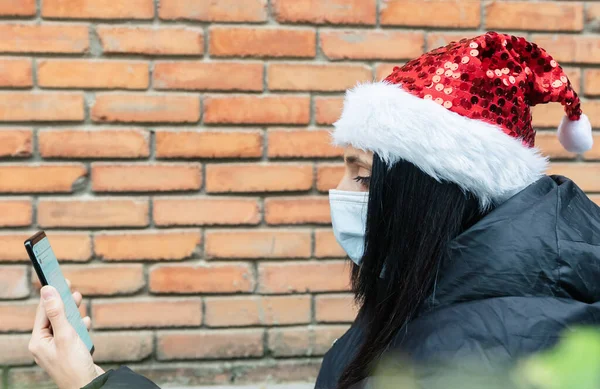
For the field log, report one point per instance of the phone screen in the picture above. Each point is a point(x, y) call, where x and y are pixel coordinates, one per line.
point(49, 265)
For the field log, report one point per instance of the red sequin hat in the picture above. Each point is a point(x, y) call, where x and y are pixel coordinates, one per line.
point(461, 113)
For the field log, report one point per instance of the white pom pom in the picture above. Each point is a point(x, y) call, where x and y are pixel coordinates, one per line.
point(576, 135)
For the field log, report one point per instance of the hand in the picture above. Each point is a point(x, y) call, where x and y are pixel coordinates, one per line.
point(55, 345)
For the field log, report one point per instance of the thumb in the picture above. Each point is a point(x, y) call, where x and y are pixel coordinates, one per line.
point(55, 310)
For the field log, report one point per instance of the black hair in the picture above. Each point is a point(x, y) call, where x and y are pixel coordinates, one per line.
point(411, 219)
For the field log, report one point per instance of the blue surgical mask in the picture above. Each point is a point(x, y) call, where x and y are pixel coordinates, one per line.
point(349, 220)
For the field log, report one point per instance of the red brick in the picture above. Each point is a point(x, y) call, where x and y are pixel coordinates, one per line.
point(586, 175)
point(151, 41)
point(215, 344)
point(149, 245)
point(353, 44)
point(199, 75)
point(300, 277)
point(271, 109)
point(186, 211)
point(262, 42)
point(20, 315)
point(98, 9)
point(209, 144)
point(209, 278)
point(279, 371)
point(550, 146)
point(570, 48)
point(284, 143)
point(93, 74)
point(222, 11)
point(329, 176)
point(325, 12)
point(13, 282)
point(102, 280)
point(40, 178)
point(303, 341)
point(17, 8)
point(297, 210)
point(316, 77)
point(545, 15)
point(594, 153)
point(68, 246)
point(592, 16)
point(592, 82)
point(325, 336)
point(550, 115)
point(574, 75)
point(258, 178)
point(385, 69)
point(16, 72)
point(41, 107)
point(251, 372)
point(115, 212)
point(289, 342)
point(15, 213)
point(94, 143)
point(431, 13)
point(147, 312)
point(15, 350)
point(146, 178)
point(29, 378)
point(16, 143)
point(141, 108)
point(328, 109)
point(44, 38)
point(439, 39)
point(122, 346)
point(335, 308)
point(257, 310)
point(596, 199)
point(326, 245)
point(258, 244)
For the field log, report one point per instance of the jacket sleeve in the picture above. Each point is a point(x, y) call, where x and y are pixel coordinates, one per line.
point(121, 378)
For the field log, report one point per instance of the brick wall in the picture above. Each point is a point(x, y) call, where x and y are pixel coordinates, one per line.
point(176, 152)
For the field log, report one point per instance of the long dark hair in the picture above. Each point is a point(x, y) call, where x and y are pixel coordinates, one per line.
point(411, 219)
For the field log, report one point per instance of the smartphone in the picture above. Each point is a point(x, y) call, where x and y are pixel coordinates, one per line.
point(47, 269)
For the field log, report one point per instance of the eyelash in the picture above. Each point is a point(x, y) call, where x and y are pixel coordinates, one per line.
point(363, 180)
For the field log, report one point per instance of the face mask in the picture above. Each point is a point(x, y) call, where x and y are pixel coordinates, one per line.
point(349, 220)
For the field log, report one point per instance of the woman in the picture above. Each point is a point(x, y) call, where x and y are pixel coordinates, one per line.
point(463, 248)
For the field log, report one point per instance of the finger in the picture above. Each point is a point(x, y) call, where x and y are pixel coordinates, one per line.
point(55, 310)
point(88, 322)
point(41, 320)
point(78, 298)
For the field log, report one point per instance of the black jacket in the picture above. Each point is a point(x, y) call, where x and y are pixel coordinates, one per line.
point(514, 281)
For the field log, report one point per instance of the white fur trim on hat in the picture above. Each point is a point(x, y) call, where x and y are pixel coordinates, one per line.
point(479, 157)
point(576, 135)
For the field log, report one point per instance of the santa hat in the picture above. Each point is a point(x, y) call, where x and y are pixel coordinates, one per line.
point(461, 113)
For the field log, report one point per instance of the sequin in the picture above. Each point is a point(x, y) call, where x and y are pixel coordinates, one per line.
point(557, 84)
point(428, 97)
point(465, 59)
point(439, 100)
point(436, 79)
point(448, 65)
point(439, 87)
point(505, 81)
point(490, 74)
point(474, 99)
point(553, 63)
point(473, 45)
point(448, 73)
point(448, 104)
point(456, 75)
point(474, 53)
point(511, 79)
point(448, 90)
point(564, 79)
point(501, 102)
point(439, 72)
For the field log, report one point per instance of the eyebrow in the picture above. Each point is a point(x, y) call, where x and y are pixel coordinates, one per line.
point(356, 159)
